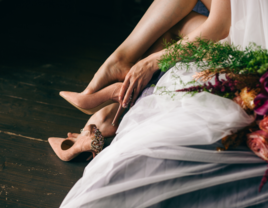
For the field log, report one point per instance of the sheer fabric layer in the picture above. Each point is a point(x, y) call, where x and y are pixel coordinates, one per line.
point(166, 147)
point(164, 154)
point(249, 23)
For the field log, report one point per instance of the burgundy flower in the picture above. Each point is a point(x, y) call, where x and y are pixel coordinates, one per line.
point(263, 78)
point(220, 86)
point(261, 100)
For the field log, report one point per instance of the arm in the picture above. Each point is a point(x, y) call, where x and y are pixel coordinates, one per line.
point(215, 28)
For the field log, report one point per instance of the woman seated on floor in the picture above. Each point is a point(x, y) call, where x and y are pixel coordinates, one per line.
point(163, 154)
point(131, 66)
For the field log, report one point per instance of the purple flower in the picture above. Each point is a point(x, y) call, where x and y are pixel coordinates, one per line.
point(261, 100)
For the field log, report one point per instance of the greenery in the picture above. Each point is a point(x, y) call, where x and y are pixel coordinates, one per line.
point(215, 56)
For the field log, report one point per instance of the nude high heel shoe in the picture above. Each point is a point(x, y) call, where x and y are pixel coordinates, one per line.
point(89, 104)
point(90, 140)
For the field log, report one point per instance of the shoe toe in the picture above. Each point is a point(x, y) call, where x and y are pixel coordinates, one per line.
point(60, 148)
point(55, 143)
point(71, 97)
point(64, 94)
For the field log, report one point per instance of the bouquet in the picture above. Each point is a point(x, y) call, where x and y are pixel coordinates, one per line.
point(246, 83)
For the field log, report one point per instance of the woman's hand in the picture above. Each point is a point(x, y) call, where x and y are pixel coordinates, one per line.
point(137, 78)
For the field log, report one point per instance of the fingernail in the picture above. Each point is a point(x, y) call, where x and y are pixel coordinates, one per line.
point(124, 105)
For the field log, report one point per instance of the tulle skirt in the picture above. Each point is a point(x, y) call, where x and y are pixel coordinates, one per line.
point(164, 155)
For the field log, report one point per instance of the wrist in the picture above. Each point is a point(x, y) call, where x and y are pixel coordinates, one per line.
point(154, 59)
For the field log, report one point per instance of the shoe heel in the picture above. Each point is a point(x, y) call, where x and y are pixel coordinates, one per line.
point(117, 114)
point(91, 156)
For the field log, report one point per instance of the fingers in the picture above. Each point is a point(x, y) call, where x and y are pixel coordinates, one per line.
point(136, 92)
point(123, 90)
point(128, 95)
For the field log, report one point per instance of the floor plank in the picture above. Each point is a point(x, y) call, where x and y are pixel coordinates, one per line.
point(48, 47)
point(32, 170)
point(31, 110)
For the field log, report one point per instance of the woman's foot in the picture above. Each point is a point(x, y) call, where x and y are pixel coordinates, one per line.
point(103, 119)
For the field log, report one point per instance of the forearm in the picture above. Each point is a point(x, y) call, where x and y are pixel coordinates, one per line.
point(207, 31)
point(214, 28)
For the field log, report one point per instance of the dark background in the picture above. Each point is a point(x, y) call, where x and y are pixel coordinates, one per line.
point(47, 47)
point(36, 33)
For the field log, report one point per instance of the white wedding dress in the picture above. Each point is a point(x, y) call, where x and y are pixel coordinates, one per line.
point(164, 154)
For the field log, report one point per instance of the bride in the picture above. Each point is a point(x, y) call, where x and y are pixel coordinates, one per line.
point(164, 152)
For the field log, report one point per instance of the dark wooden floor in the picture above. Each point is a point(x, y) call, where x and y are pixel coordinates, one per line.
point(31, 111)
point(38, 61)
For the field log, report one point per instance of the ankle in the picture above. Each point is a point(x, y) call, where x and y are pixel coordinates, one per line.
point(103, 121)
point(120, 60)
point(117, 57)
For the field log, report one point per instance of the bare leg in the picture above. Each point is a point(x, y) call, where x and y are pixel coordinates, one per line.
point(182, 28)
point(159, 18)
point(104, 117)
